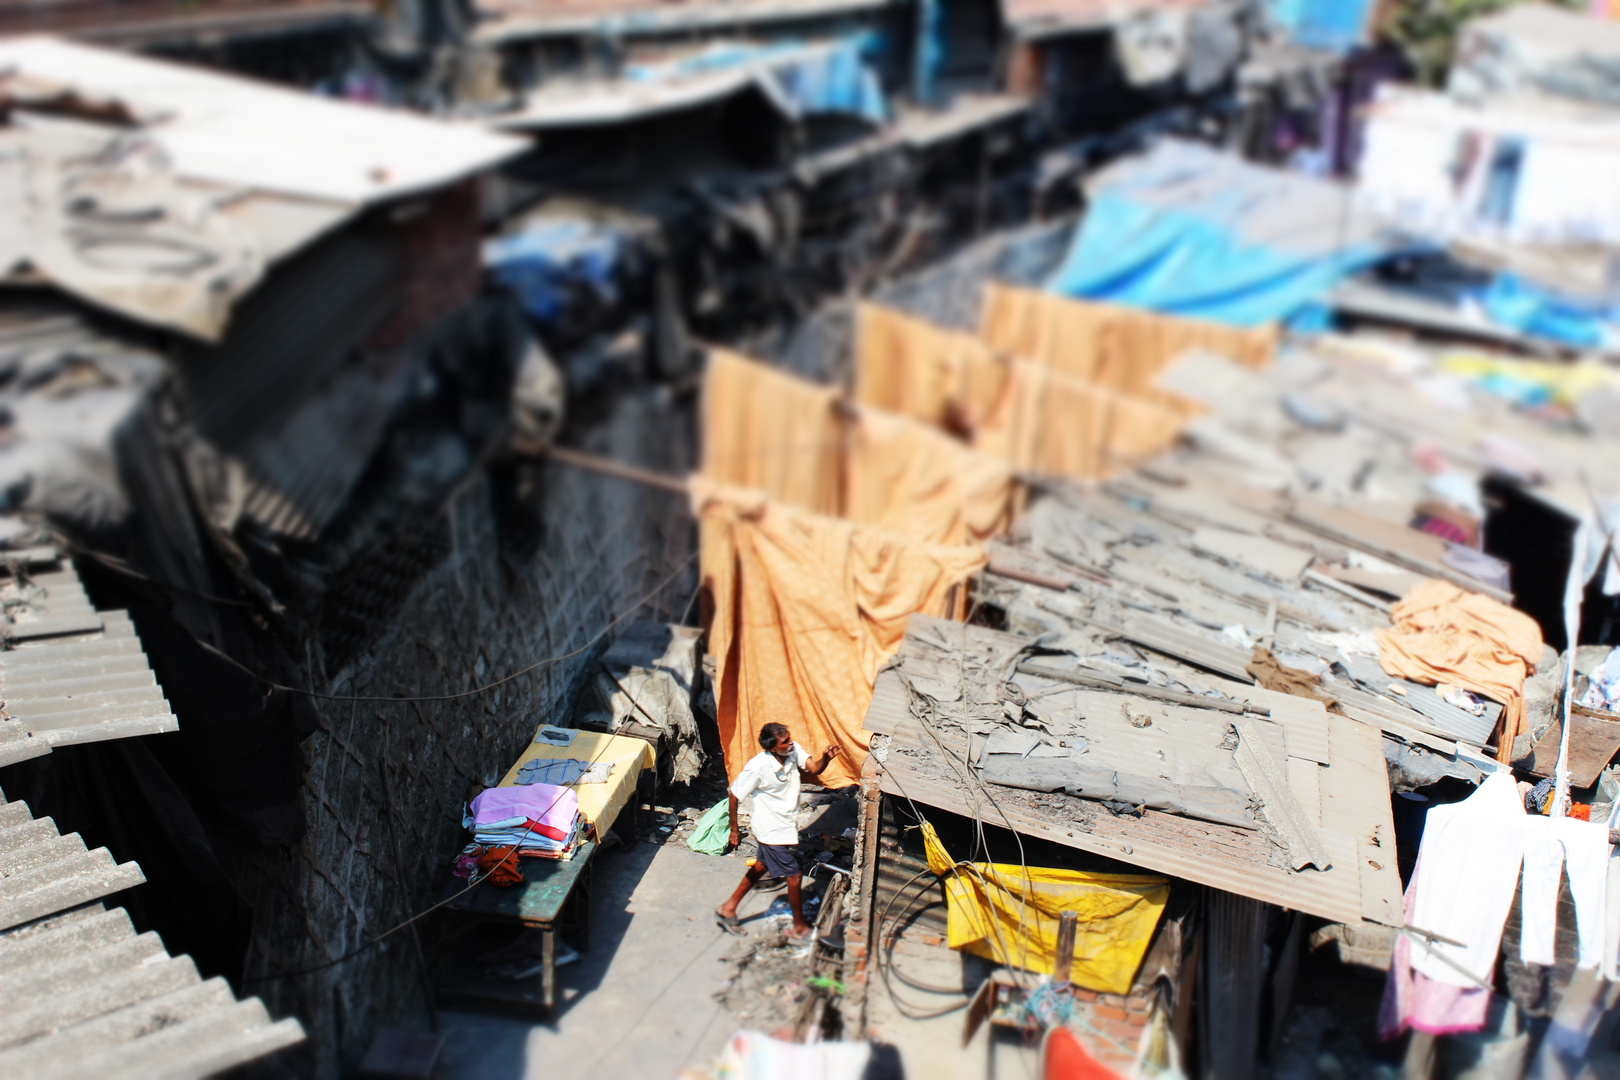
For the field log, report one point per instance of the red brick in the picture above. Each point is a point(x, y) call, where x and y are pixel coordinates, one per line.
point(1108, 1012)
point(1084, 995)
point(1139, 1005)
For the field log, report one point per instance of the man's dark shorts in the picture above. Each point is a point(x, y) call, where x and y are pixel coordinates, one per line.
point(780, 860)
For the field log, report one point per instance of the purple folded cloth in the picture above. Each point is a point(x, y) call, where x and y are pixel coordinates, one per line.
point(546, 803)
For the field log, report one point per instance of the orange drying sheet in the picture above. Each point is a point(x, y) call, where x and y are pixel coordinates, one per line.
point(1445, 634)
point(767, 430)
point(913, 368)
point(1118, 347)
point(1029, 413)
point(1049, 424)
point(906, 477)
point(803, 611)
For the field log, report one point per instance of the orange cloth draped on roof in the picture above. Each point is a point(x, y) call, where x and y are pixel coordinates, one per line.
point(913, 368)
point(1118, 347)
point(907, 477)
point(803, 611)
point(767, 430)
point(1444, 634)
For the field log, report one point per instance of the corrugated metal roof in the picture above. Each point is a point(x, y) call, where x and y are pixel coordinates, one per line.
point(71, 674)
point(83, 995)
point(1346, 799)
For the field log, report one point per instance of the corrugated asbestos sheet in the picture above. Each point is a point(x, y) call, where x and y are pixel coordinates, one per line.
point(69, 673)
point(83, 995)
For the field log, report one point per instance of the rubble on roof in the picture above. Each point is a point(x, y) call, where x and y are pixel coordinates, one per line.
point(163, 192)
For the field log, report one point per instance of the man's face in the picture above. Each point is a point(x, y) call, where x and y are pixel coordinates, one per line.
point(783, 747)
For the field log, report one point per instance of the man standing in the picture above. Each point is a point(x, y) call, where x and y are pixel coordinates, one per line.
point(773, 777)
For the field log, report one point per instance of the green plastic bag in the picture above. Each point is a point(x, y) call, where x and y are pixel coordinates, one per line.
point(713, 830)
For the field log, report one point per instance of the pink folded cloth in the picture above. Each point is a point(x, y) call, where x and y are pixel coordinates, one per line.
point(546, 803)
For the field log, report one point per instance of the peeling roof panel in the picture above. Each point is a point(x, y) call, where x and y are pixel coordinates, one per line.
point(231, 130)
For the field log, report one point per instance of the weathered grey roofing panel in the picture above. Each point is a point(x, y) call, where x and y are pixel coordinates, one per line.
point(72, 674)
point(83, 995)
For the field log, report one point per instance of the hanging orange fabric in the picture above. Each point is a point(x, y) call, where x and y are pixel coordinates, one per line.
point(912, 368)
point(1048, 424)
point(1139, 429)
point(907, 477)
point(1445, 634)
point(803, 611)
point(767, 430)
point(1118, 347)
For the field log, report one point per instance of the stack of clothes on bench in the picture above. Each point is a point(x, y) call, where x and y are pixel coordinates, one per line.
point(541, 820)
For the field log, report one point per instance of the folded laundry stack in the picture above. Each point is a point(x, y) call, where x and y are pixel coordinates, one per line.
point(538, 819)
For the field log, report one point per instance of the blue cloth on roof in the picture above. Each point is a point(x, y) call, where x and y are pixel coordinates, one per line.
point(1190, 231)
point(1519, 305)
point(550, 261)
point(1182, 263)
point(1336, 25)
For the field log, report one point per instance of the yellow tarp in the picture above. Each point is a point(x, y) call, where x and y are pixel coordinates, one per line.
point(766, 430)
point(1009, 914)
point(600, 803)
point(1567, 383)
point(1122, 348)
point(803, 611)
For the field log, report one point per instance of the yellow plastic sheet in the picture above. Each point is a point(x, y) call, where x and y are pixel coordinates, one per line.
point(1566, 383)
point(803, 611)
point(1010, 914)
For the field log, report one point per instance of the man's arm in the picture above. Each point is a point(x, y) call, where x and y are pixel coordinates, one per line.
point(818, 765)
point(736, 833)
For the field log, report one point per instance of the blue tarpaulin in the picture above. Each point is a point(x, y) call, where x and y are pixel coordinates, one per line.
point(1190, 231)
point(550, 262)
point(1535, 312)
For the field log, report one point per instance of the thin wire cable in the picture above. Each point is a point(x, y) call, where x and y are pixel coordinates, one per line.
point(475, 691)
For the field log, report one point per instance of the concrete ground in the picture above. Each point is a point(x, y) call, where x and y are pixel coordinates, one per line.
point(931, 1046)
point(639, 1004)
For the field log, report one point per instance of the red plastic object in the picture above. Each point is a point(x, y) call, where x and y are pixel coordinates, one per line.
point(1065, 1057)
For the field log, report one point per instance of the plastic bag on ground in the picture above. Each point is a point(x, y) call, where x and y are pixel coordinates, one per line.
point(713, 830)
